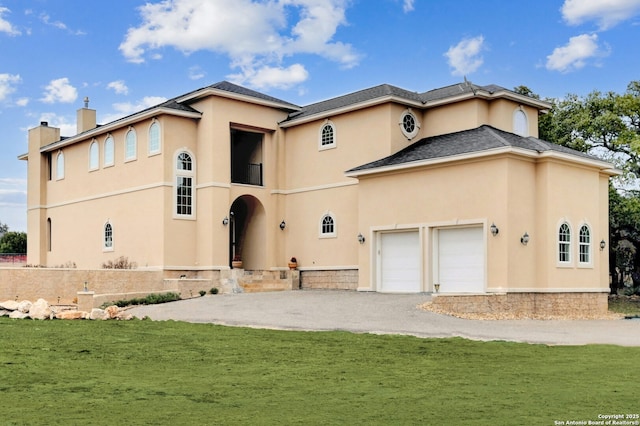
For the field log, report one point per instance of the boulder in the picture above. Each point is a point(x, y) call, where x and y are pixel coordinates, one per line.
point(18, 315)
point(9, 305)
point(72, 315)
point(24, 306)
point(112, 312)
point(40, 310)
point(98, 314)
point(4, 313)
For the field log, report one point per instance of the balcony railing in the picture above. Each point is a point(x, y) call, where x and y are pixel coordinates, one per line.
point(249, 175)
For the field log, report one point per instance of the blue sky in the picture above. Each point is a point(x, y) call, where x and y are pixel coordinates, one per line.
point(128, 55)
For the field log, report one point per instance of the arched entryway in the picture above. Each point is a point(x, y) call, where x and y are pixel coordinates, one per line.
point(247, 233)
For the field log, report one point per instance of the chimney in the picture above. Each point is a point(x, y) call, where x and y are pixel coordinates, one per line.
point(86, 118)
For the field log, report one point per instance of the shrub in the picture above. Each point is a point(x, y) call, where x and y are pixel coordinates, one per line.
point(202, 293)
point(151, 299)
point(120, 263)
point(214, 290)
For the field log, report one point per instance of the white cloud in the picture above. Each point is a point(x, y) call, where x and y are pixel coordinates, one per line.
point(408, 6)
point(281, 78)
point(59, 91)
point(119, 87)
point(196, 73)
point(59, 25)
point(465, 56)
point(22, 102)
point(7, 84)
point(123, 109)
point(6, 26)
point(607, 13)
point(254, 34)
point(574, 54)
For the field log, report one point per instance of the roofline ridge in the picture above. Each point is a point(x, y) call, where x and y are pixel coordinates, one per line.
point(495, 133)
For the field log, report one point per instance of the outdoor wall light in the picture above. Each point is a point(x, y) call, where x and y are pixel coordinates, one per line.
point(494, 229)
point(361, 238)
point(225, 221)
point(603, 244)
point(283, 225)
point(524, 239)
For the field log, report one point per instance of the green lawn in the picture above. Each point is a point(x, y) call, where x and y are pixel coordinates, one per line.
point(156, 373)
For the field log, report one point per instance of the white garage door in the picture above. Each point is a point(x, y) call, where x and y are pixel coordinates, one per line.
point(400, 262)
point(461, 260)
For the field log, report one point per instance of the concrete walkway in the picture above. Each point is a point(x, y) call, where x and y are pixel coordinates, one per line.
point(383, 314)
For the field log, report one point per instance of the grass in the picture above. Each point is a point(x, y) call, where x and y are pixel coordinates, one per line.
point(628, 305)
point(147, 372)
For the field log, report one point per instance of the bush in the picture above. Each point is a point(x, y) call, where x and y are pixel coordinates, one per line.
point(202, 293)
point(214, 290)
point(120, 263)
point(151, 299)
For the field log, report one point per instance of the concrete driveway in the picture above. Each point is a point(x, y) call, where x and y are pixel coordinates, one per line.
point(382, 314)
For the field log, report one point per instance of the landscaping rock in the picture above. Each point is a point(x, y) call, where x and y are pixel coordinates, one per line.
point(24, 306)
point(112, 311)
point(98, 314)
point(4, 313)
point(9, 305)
point(71, 315)
point(18, 315)
point(40, 310)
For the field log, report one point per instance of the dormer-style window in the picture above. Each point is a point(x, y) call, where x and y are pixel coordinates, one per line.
point(409, 124)
point(108, 152)
point(154, 138)
point(327, 135)
point(520, 123)
point(130, 145)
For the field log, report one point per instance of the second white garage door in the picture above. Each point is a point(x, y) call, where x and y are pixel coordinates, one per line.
point(400, 262)
point(461, 260)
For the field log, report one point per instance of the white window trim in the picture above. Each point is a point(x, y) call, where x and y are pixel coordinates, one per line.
point(135, 145)
point(569, 263)
point(59, 169)
point(331, 145)
point(94, 143)
point(416, 130)
point(104, 152)
point(588, 264)
point(333, 234)
point(151, 153)
point(184, 173)
point(520, 112)
point(106, 248)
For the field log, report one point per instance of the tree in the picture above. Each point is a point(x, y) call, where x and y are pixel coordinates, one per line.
point(3, 228)
point(13, 242)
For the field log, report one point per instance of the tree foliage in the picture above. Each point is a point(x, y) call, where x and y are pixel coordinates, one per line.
point(13, 242)
point(607, 125)
point(3, 228)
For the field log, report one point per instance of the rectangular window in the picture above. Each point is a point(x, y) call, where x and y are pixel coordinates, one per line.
point(184, 195)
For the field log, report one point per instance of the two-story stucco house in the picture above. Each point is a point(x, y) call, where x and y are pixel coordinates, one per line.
point(382, 189)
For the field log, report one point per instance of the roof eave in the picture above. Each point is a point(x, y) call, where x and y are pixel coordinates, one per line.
point(603, 166)
point(118, 124)
point(352, 107)
point(210, 91)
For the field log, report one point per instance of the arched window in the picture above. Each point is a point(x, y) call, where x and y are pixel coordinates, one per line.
point(60, 165)
point(130, 145)
point(327, 135)
point(520, 123)
point(564, 243)
point(108, 236)
point(327, 226)
point(94, 156)
point(108, 152)
point(584, 245)
point(154, 138)
point(184, 185)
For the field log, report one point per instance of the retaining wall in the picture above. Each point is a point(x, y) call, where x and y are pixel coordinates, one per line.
point(345, 279)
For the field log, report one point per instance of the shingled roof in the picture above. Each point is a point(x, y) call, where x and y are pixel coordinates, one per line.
point(466, 142)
